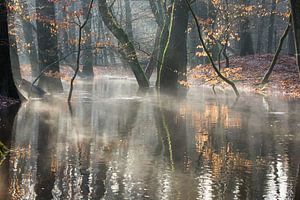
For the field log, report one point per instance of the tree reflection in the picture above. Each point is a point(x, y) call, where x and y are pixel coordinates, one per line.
point(46, 155)
point(6, 124)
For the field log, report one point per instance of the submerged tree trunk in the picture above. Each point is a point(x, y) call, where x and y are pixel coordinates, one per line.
point(7, 85)
point(87, 54)
point(126, 45)
point(295, 5)
point(174, 62)
point(47, 45)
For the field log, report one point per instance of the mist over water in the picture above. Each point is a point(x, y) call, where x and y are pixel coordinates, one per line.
point(122, 143)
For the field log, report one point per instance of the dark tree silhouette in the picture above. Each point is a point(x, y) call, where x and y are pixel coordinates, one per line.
point(7, 85)
point(47, 45)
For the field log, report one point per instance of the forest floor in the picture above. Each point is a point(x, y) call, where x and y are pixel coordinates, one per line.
point(247, 72)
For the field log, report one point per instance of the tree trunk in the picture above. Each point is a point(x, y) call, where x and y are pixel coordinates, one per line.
point(63, 9)
point(102, 36)
point(127, 47)
point(14, 57)
point(154, 61)
point(246, 44)
point(271, 27)
point(260, 31)
point(87, 54)
point(295, 5)
point(291, 43)
point(47, 45)
point(128, 16)
point(174, 62)
point(29, 32)
point(163, 40)
point(7, 85)
point(271, 68)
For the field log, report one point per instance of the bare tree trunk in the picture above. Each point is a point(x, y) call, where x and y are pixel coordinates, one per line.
point(174, 62)
point(295, 5)
point(291, 43)
point(102, 35)
point(128, 16)
point(260, 31)
point(271, 27)
point(29, 33)
point(87, 54)
point(154, 61)
point(163, 41)
point(127, 47)
point(270, 70)
point(47, 45)
point(246, 43)
point(14, 57)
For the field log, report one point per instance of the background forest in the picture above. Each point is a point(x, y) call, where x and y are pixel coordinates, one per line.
point(50, 40)
point(149, 99)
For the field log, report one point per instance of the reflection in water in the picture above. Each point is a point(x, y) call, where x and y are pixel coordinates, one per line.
point(121, 143)
point(6, 122)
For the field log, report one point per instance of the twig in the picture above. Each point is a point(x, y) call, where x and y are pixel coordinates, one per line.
point(208, 53)
point(79, 50)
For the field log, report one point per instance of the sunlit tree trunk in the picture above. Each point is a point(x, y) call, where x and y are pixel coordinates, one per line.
point(7, 85)
point(47, 45)
point(127, 48)
point(174, 62)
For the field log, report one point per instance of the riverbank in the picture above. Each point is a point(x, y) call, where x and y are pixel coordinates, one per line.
point(247, 73)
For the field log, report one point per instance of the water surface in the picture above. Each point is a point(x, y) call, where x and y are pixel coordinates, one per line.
point(122, 143)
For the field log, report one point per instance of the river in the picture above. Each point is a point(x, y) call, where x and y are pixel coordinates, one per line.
point(123, 143)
